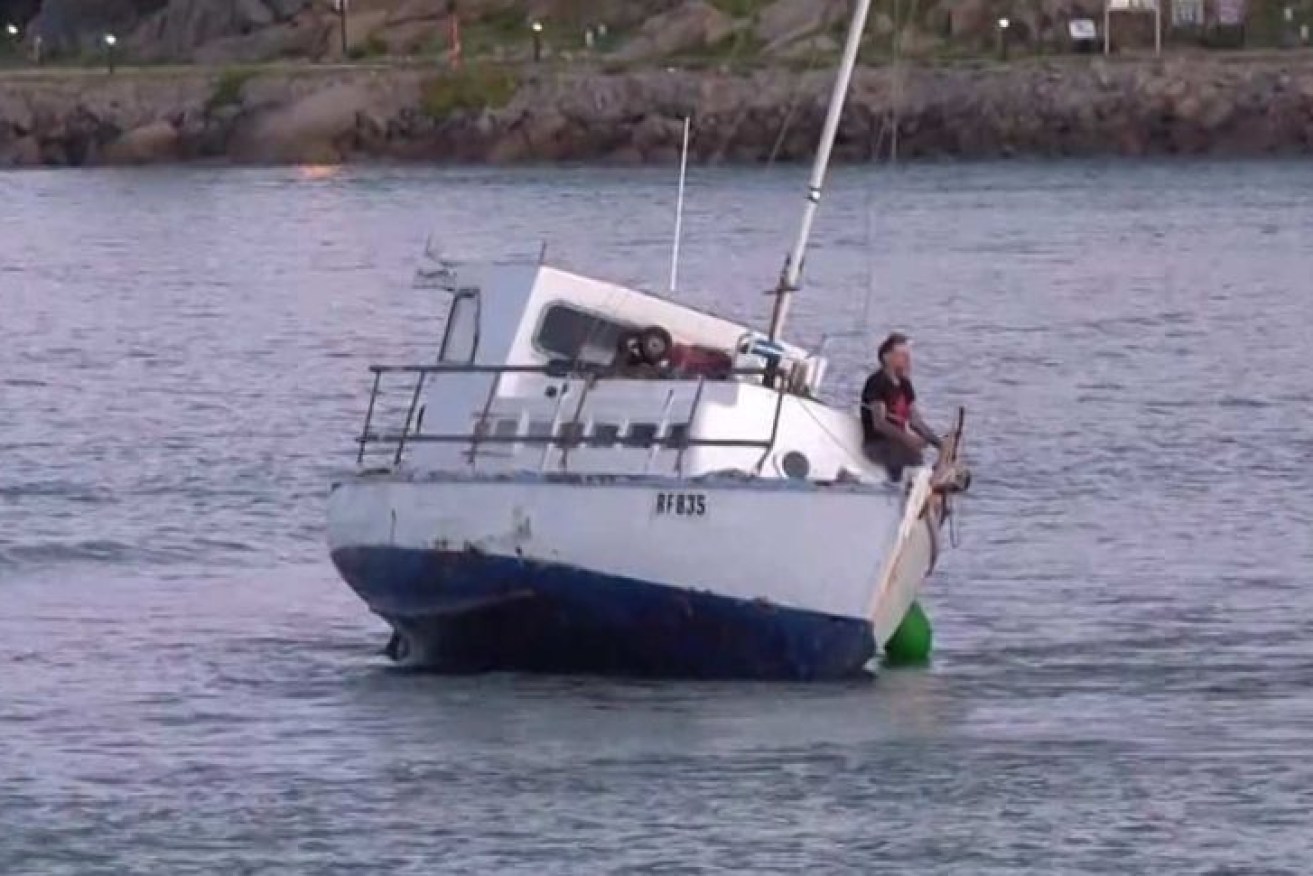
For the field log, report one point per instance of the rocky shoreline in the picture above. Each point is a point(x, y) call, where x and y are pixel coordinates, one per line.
point(1189, 105)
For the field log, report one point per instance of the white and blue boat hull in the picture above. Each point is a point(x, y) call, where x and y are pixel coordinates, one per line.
point(631, 576)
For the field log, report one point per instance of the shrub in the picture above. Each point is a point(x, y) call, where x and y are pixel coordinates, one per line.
point(468, 89)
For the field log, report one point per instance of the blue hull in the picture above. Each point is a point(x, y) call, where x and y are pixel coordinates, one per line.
point(472, 612)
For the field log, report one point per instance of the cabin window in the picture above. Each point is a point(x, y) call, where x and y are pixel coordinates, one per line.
point(640, 435)
point(571, 433)
point(568, 333)
point(605, 434)
point(460, 341)
point(540, 428)
point(678, 435)
point(506, 428)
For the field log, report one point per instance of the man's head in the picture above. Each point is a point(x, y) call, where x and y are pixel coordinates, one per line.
point(896, 355)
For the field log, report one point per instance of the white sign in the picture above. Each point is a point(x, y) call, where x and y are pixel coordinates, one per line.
point(1132, 5)
point(1082, 29)
point(1188, 13)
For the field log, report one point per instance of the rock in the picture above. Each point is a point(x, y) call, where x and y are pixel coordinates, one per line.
point(151, 143)
point(625, 156)
point(284, 10)
point(72, 26)
point(217, 30)
point(177, 29)
point(810, 49)
point(914, 43)
point(971, 18)
point(693, 25)
point(250, 14)
point(414, 36)
point(15, 111)
point(784, 21)
point(361, 28)
point(308, 130)
point(417, 10)
point(23, 152)
point(281, 41)
point(1245, 106)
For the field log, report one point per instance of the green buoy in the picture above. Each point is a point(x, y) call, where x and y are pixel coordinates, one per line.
point(911, 642)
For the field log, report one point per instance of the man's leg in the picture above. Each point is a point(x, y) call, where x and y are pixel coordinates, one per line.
point(893, 456)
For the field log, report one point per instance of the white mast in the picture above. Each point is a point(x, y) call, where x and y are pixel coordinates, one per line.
point(679, 211)
point(792, 273)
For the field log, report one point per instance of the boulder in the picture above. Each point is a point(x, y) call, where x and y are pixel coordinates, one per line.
point(285, 10)
point(311, 129)
point(416, 10)
point(295, 39)
point(971, 19)
point(915, 43)
point(786, 21)
point(693, 25)
point(72, 26)
point(148, 144)
point(414, 36)
point(179, 29)
point(22, 152)
point(815, 48)
point(15, 111)
point(361, 30)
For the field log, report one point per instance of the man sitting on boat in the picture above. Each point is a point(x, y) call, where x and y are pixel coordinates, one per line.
point(894, 434)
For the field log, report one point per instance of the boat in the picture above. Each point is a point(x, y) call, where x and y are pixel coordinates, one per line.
point(592, 478)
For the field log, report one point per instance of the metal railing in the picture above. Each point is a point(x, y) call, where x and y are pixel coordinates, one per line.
point(563, 434)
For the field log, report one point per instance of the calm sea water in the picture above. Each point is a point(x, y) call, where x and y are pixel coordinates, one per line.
point(1125, 638)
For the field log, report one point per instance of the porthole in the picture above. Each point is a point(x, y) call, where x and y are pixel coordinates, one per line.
point(795, 465)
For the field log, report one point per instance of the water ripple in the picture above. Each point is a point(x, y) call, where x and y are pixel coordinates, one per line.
point(1124, 638)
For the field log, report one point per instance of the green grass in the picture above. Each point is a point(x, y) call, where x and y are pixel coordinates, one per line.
point(473, 88)
point(374, 47)
point(740, 8)
point(228, 87)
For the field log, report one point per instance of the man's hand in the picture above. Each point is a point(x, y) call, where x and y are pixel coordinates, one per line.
point(914, 441)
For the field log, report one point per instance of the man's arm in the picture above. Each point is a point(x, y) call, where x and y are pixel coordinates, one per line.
point(920, 427)
point(880, 421)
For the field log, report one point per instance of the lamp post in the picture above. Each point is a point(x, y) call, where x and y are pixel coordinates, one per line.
point(453, 17)
point(111, 43)
point(1003, 25)
point(537, 28)
point(340, 7)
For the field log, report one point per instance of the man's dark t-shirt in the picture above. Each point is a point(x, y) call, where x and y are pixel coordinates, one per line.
point(897, 399)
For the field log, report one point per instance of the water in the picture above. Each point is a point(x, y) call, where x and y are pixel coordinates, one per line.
point(1125, 639)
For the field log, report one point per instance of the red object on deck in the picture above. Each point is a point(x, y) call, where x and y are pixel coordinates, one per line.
point(697, 361)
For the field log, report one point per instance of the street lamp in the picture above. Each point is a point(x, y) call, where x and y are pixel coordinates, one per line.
point(12, 30)
point(340, 7)
point(537, 28)
point(1003, 24)
point(111, 42)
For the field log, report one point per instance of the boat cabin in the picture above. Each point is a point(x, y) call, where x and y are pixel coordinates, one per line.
point(546, 371)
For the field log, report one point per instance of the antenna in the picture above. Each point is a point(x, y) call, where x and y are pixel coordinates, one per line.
point(679, 210)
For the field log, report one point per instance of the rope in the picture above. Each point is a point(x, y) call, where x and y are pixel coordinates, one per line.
point(793, 104)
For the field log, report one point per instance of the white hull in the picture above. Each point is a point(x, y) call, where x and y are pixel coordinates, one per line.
point(815, 562)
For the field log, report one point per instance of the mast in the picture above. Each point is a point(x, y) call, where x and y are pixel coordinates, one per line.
point(791, 275)
point(679, 210)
